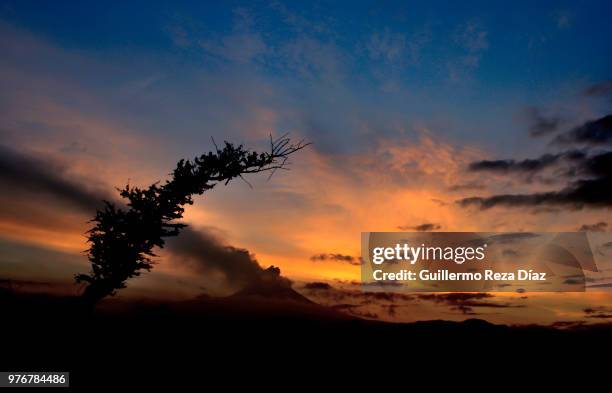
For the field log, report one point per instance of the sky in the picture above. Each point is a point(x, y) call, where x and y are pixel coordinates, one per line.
point(477, 116)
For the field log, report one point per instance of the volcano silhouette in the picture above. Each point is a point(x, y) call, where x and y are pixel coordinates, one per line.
point(271, 286)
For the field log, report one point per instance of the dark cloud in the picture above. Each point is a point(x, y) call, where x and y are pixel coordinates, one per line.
point(426, 227)
point(337, 257)
point(607, 245)
point(391, 297)
point(462, 302)
point(11, 286)
point(391, 309)
point(318, 286)
point(527, 166)
point(467, 186)
point(204, 253)
point(600, 286)
point(28, 176)
point(455, 297)
point(574, 281)
point(365, 314)
point(600, 312)
point(598, 89)
point(539, 124)
point(507, 238)
point(342, 295)
point(598, 227)
point(510, 253)
point(567, 324)
point(507, 200)
point(466, 302)
point(377, 285)
point(595, 132)
point(345, 306)
point(348, 299)
point(439, 202)
point(588, 173)
point(592, 188)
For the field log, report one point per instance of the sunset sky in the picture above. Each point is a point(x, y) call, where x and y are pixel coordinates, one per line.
point(409, 107)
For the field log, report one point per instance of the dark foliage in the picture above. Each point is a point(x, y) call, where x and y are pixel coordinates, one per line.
point(122, 240)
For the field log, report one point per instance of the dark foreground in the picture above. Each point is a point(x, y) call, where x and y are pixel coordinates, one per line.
point(254, 339)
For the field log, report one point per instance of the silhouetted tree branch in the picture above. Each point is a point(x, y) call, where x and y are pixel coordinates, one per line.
point(122, 240)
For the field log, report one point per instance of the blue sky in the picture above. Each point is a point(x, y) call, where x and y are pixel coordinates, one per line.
point(466, 70)
point(541, 44)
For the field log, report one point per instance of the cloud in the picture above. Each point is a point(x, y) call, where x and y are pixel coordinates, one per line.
point(29, 176)
point(314, 59)
point(333, 294)
point(512, 237)
point(337, 257)
point(567, 324)
point(527, 165)
point(426, 227)
point(472, 36)
point(603, 88)
point(345, 307)
point(391, 309)
point(238, 47)
point(205, 254)
point(598, 227)
point(243, 45)
point(317, 286)
point(520, 200)
point(510, 253)
point(472, 185)
point(595, 132)
point(574, 281)
point(607, 245)
point(389, 302)
point(590, 175)
point(45, 201)
point(600, 312)
point(364, 314)
point(591, 187)
point(11, 286)
point(298, 23)
point(539, 124)
point(466, 302)
point(386, 46)
point(563, 19)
